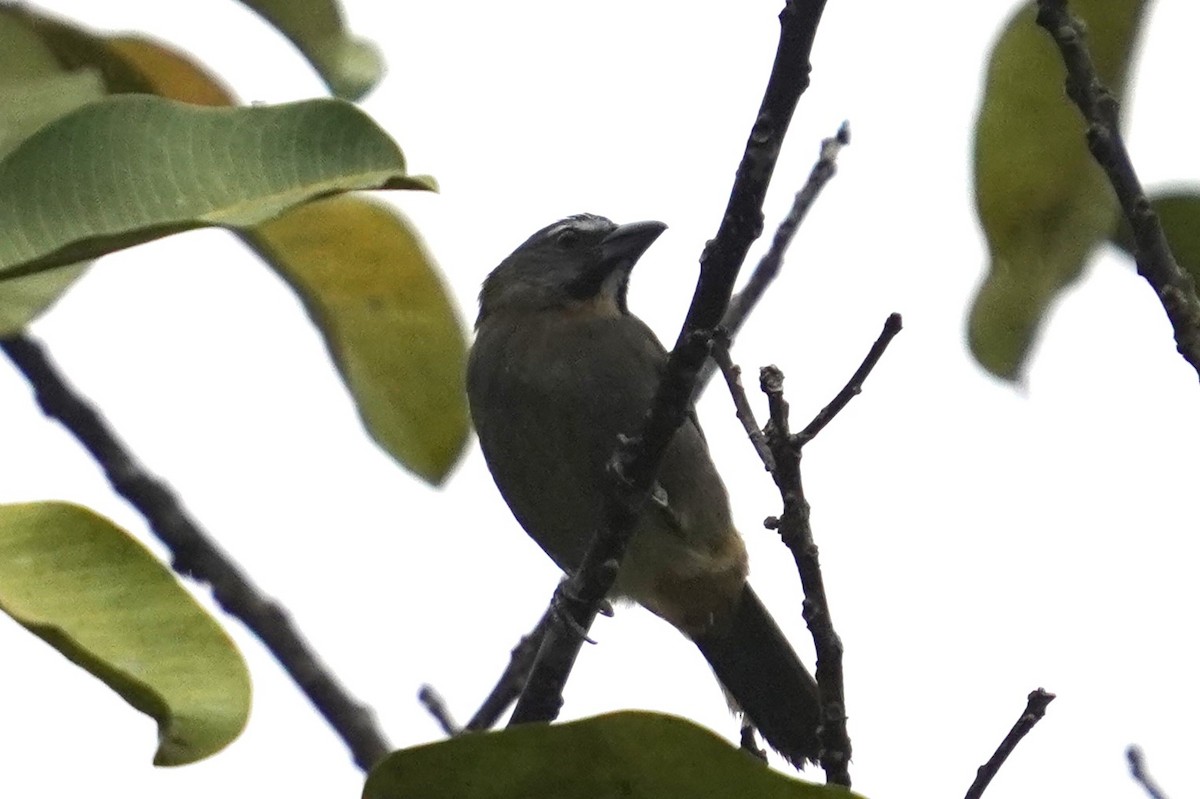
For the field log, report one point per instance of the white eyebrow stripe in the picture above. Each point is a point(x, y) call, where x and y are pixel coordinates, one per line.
point(584, 223)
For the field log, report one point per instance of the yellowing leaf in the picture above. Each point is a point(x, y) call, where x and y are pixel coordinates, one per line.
point(375, 293)
point(169, 72)
point(633, 755)
point(1043, 202)
point(88, 589)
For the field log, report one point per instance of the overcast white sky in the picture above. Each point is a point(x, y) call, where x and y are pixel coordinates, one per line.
point(979, 540)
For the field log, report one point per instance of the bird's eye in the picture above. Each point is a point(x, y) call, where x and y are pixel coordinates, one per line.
point(567, 238)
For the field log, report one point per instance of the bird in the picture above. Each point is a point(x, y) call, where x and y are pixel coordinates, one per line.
point(558, 371)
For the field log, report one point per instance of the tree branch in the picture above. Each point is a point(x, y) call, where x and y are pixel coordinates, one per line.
point(741, 403)
point(513, 680)
point(1155, 262)
point(1035, 708)
point(769, 266)
point(1137, 769)
point(796, 532)
point(852, 388)
point(195, 555)
point(436, 705)
point(637, 459)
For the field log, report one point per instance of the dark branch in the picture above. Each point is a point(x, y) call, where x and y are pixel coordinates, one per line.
point(745, 414)
point(512, 682)
point(433, 702)
point(637, 459)
point(853, 388)
point(1137, 769)
point(1034, 710)
point(796, 532)
point(195, 555)
point(1155, 262)
point(769, 266)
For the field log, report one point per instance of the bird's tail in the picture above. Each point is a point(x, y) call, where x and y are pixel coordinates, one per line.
point(758, 667)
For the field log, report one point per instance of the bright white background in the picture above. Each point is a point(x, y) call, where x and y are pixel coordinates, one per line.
point(979, 540)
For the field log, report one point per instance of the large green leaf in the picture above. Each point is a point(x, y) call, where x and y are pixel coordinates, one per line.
point(34, 89)
point(633, 755)
point(87, 588)
point(349, 66)
point(1179, 213)
point(132, 168)
point(1043, 202)
point(49, 67)
point(371, 286)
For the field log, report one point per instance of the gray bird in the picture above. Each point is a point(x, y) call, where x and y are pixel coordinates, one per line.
point(559, 369)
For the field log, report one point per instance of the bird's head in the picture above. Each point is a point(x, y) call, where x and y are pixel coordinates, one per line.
point(581, 262)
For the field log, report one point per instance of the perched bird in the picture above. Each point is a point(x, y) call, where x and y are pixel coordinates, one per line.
point(559, 369)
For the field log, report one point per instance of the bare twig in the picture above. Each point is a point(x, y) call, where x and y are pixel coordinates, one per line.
point(513, 680)
point(637, 459)
point(796, 533)
point(197, 556)
point(1137, 769)
point(780, 454)
point(769, 266)
point(436, 705)
point(745, 414)
point(1035, 708)
point(1155, 262)
point(852, 388)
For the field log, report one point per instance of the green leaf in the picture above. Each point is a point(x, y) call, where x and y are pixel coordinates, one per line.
point(1179, 214)
point(349, 66)
point(631, 755)
point(1043, 202)
point(34, 89)
point(92, 592)
point(23, 55)
point(132, 168)
point(374, 291)
point(24, 299)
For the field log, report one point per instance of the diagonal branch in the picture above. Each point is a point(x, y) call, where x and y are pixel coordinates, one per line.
point(1035, 708)
point(1137, 770)
point(1174, 287)
point(854, 386)
point(637, 459)
point(769, 266)
point(195, 554)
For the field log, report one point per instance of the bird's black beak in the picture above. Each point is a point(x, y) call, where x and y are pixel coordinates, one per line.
point(623, 246)
point(615, 256)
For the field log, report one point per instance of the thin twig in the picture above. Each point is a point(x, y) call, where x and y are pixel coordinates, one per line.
point(852, 388)
point(637, 459)
point(195, 555)
point(769, 266)
point(1174, 287)
point(745, 414)
point(436, 705)
point(796, 532)
point(1137, 769)
point(1035, 708)
point(512, 681)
